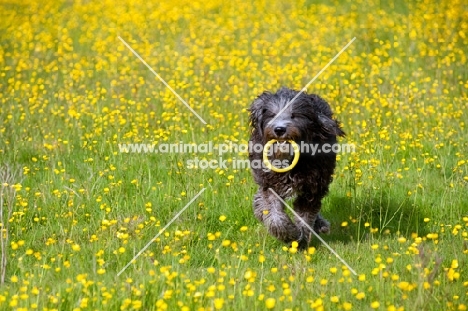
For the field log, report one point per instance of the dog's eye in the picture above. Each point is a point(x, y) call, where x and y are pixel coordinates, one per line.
point(308, 117)
point(293, 116)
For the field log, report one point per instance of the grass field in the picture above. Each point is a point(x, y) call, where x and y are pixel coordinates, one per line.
point(75, 210)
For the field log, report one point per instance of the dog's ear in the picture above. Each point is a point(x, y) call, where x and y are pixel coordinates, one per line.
point(257, 109)
point(330, 126)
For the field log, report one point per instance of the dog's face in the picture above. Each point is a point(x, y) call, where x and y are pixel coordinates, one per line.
point(308, 118)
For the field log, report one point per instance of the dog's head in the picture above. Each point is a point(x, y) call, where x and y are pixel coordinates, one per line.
point(291, 115)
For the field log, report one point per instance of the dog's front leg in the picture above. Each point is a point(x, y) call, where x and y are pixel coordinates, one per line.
point(308, 210)
point(270, 210)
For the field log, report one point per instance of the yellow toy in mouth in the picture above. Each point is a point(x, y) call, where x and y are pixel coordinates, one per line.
point(277, 169)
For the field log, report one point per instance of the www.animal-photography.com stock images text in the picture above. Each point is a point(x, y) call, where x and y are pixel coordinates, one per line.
point(234, 155)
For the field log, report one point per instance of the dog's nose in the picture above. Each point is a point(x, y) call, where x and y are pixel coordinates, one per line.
point(280, 130)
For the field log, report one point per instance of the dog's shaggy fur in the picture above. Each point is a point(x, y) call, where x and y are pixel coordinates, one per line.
point(308, 120)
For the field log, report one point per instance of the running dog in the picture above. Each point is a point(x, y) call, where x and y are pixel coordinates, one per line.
point(307, 121)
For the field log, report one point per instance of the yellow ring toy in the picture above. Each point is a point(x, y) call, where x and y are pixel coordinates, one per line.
point(274, 168)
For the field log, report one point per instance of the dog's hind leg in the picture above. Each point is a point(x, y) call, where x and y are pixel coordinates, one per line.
point(308, 211)
point(270, 210)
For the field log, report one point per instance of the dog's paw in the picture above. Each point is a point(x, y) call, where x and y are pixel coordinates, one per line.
point(324, 229)
point(321, 225)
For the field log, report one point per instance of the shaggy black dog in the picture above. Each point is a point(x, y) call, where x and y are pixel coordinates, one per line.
point(307, 121)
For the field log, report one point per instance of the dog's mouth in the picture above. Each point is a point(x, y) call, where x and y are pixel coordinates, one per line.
point(282, 144)
point(282, 150)
point(281, 140)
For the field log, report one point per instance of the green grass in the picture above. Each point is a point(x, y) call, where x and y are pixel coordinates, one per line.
point(71, 92)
